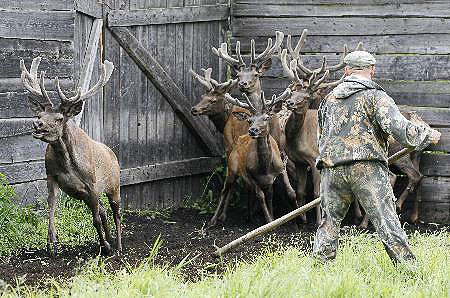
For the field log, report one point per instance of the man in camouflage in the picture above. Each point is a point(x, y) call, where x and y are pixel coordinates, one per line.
point(355, 121)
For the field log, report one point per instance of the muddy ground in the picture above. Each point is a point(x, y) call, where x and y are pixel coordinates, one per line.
point(183, 233)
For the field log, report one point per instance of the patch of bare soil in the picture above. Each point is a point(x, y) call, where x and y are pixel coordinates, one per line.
point(183, 233)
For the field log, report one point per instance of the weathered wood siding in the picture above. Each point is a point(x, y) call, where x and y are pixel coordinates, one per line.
point(29, 29)
point(410, 40)
point(140, 125)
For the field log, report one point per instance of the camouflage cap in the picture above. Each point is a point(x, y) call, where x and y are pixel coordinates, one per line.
point(359, 60)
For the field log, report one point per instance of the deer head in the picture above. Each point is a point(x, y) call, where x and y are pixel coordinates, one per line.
point(258, 120)
point(50, 122)
point(305, 82)
point(249, 75)
point(211, 102)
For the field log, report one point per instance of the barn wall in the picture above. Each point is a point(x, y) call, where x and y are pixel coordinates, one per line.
point(410, 42)
point(28, 29)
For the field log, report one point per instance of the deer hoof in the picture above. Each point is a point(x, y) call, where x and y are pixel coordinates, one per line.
point(413, 218)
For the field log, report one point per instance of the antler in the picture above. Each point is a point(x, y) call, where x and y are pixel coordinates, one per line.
point(323, 68)
point(267, 53)
point(222, 52)
point(246, 105)
point(107, 69)
point(295, 53)
point(210, 83)
point(32, 84)
point(291, 69)
point(275, 100)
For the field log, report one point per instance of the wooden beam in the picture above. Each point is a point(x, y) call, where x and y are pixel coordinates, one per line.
point(435, 164)
point(88, 62)
point(248, 27)
point(21, 148)
point(168, 170)
point(153, 16)
point(24, 172)
point(48, 25)
point(394, 9)
point(89, 7)
point(168, 88)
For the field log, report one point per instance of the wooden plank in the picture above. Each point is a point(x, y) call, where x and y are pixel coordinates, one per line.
point(168, 170)
point(36, 5)
point(247, 27)
point(389, 67)
point(378, 44)
point(418, 93)
point(57, 57)
point(435, 164)
point(437, 117)
point(24, 172)
point(48, 25)
point(431, 212)
point(89, 7)
point(347, 2)
point(21, 148)
point(435, 189)
point(89, 59)
point(165, 85)
point(172, 15)
point(411, 93)
point(15, 126)
point(29, 192)
point(393, 9)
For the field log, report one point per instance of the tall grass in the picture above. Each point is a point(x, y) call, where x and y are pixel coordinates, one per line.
point(362, 269)
point(26, 227)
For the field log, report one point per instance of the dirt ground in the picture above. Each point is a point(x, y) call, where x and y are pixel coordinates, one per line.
point(183, 233)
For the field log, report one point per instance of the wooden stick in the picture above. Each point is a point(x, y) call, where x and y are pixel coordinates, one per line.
point(291, 215)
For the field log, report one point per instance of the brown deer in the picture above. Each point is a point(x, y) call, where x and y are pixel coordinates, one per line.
point(249, 75)
point(74, 163)
point(255, 157)
point(213, 104)
point(301, 126)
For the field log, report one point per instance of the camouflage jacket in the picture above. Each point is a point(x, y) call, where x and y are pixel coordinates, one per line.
point(355, 121)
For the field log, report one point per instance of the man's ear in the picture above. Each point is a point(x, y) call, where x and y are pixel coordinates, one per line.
point(265, 66)
point(73, 109)
point(241, 116)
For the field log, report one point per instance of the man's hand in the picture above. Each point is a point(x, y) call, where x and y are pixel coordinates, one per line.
point(435, 136)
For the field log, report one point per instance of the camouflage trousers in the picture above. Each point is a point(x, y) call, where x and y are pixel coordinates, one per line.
point(368, 182)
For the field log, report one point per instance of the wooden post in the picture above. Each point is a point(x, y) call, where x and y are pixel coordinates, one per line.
point(291, 215)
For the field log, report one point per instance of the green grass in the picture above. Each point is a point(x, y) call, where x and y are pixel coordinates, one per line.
point(362, 269)
point(26, 227)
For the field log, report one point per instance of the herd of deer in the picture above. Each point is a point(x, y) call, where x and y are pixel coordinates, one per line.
point(259, 145)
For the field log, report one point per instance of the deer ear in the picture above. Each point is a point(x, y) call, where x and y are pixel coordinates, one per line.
point(241, 116)
point(277, 107)
point(73, 109)
point(35, 105)
point(264, 66)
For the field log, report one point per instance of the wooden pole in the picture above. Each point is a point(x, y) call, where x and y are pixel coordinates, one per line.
point(291, 215)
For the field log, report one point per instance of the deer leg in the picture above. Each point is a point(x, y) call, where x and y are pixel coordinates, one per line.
point(52, 199)
point(365, 222)
point(268, 194)
point(94, 204)
point(224, 195)
point(262, 201)
point(289, 190)
point(301, 186)
point(114, 202)
point(104, 218)
point(357, 211)
point(316, 182)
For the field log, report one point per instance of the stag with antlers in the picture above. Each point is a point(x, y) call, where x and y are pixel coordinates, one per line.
point(74, 163)
point(249, 76)
point(255, 157)
point(301, 126)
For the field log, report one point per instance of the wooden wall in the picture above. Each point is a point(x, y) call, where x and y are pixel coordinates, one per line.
point(410, 40)
point(28, 29)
